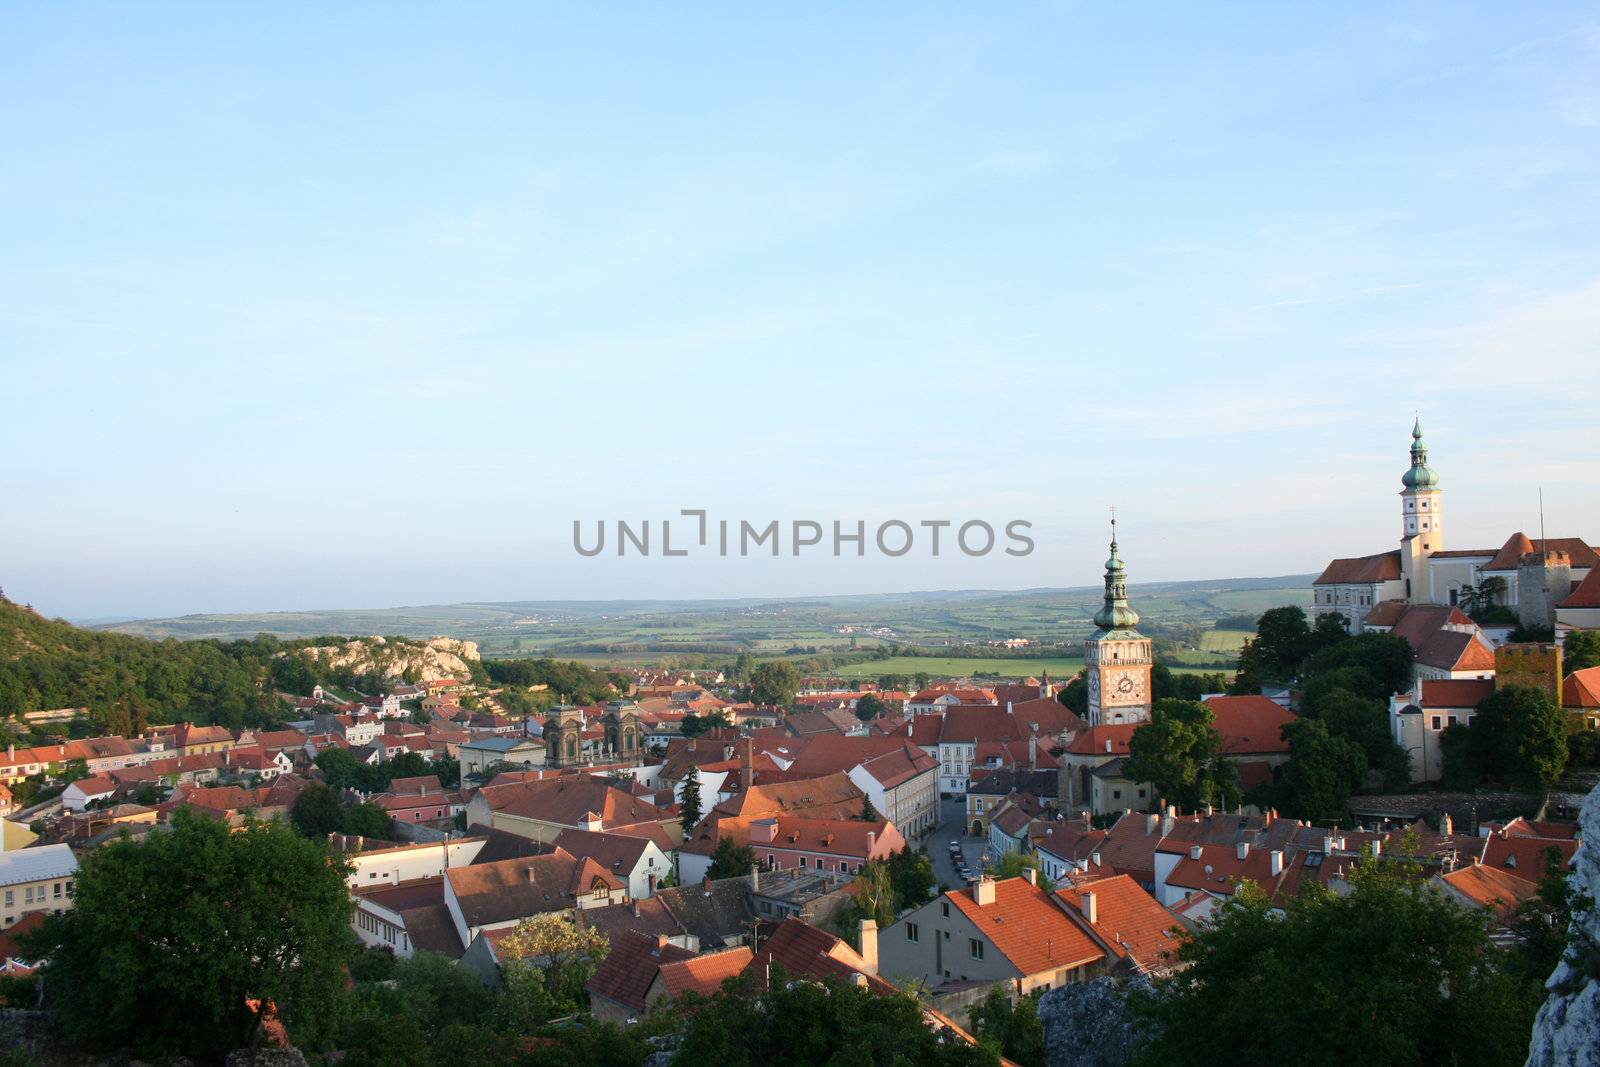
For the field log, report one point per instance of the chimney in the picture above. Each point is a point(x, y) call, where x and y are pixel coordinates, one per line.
point(1167, 822)
point(1377, 848)
point(1243, 849)
point(1108, 744)
point(1151, 822)
point(755, 878)
point(1086, 904)
point(1277, 861)
point(1447, 825)
point(1031, 875)
point(1266, 820)
point(1194, 852)
point(1033, 752)
point(11, 752)
point(983, 892)
point(1327, 843)
point(872, 842)
point(747, 760)
point(1095, 858)
point(869, 945)
point(705, 885)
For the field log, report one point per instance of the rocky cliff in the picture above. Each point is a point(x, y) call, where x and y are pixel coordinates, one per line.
point(437, 657)
point(1566, 1032)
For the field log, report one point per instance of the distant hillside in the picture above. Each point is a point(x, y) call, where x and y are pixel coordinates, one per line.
point(761, 626)
point(127, 682)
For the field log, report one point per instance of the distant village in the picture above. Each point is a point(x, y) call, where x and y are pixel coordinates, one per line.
point(705, 836)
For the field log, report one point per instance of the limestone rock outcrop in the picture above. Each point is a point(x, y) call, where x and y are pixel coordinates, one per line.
point(1087, 1024)
point(434, 658)
point(1566, 1032)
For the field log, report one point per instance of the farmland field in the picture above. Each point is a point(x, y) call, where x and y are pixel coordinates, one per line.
point(963, 666)
point(1230, 641)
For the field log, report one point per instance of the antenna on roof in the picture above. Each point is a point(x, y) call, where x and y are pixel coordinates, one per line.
point(1542, 545)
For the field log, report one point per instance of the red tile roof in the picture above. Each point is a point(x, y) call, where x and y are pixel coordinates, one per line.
point(1092, 742)
point(1455, 692)
point(1491, 889)
point(1383, 567)
point(1250, 724)
point(1518, 544)
point(1026, 927)
point(1523, 856)
point(978, 722)
point(704, 974)
point(1587, 594)
point(803, 951)
point(1127, 919)
point(1582, 688)
point(628, 970)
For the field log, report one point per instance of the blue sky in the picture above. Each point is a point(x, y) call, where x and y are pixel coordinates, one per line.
point(359, 305)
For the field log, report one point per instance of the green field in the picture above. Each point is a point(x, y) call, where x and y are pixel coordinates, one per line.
point(687, 633)
point(964, 666)
point(1228, 641)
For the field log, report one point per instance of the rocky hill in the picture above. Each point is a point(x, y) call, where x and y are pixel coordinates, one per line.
point(423, 661)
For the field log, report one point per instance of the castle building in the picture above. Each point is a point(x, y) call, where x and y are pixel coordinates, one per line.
point(1536, 577)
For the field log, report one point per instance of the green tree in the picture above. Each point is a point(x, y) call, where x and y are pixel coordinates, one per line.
point(1322, 772)
point(364, 820)
point(316, 812)
point(202, 920)
point(689, 806)
point(774, 683)
point(692, 725)
point(912, 874)
point(1386, 658)
point(729, 860)
point(869, 707)
point(1392, 975)
point(1281, 642)
point(1363, 722)
point(1013, 864)
point(1538, 740)
point(1011, 1031)
point(1519, 735)
point(1580, 650)
point(829, 1022)
point(1177, 752)
point(564, 953)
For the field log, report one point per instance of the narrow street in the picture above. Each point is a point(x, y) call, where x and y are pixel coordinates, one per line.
point(952, 827)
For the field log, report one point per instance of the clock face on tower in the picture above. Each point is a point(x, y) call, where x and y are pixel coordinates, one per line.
point(1125, 687)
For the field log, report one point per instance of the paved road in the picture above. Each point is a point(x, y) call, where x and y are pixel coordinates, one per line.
point(952, 828)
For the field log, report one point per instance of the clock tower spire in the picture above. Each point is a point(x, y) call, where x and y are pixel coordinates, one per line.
point(1117, 657)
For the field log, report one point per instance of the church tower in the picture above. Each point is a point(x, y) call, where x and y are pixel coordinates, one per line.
point(1117, 656)
point(1422, 520)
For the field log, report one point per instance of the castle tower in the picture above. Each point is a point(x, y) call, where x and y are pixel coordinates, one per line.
point(1422, 521)
point(1117, 657)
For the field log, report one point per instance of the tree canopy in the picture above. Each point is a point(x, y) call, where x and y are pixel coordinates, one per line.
point(816, 1023)
point(774, 683)
point(1177, 751)
point(170, 939)
point(1393, 975)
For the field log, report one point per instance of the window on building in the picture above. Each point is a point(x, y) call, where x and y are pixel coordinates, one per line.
point(944, 906)
point(1116, 794)
point(1436, 722)
point(975, 948)
point(11, 899)
point(912, 933)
